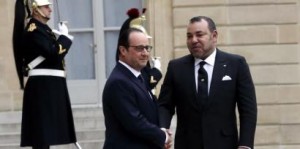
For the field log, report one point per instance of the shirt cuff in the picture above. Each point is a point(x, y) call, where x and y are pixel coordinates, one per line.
point(167, 136)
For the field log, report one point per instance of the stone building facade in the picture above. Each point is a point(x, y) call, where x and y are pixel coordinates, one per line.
point(266, 32)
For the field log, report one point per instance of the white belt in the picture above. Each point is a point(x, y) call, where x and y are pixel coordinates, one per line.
point(36, 62)
point(47, 72)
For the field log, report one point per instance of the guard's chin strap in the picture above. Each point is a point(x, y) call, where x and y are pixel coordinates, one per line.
point(42, 14)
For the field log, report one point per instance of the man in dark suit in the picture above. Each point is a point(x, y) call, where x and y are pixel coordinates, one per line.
point(206, 95)
point(130, 109)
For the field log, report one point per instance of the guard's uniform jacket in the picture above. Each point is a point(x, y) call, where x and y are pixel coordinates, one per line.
point(47, 114)
point(151, 75)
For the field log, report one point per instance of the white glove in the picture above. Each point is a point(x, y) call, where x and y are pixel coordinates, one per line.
point(156, 63)
point(56, 32)
point(63, 29)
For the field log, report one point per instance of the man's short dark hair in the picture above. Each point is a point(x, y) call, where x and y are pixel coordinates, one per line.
point(124, 39)
point(211, 23)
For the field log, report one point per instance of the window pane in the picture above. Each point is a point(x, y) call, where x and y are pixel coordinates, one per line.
point(78, 13)
point(115, 11)
point(80, 60)
point(111, 49)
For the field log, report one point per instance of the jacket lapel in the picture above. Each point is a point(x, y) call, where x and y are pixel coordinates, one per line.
point(135, 80)
point(189, 70)
point(146, 92)
point(219, 71)
point(143, 88)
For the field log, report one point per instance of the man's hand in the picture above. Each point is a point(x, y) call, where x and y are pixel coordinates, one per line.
point(169, 140)
point(62, 28)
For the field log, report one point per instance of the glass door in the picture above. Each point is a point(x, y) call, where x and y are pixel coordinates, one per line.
point(95, 24)
point(82, 57)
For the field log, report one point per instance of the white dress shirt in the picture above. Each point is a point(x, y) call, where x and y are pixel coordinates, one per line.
point(209, 66)
point(135, 72)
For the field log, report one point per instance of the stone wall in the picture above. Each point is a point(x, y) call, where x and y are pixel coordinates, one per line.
point(10, 94)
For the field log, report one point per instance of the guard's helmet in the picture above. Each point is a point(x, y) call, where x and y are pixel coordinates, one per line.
point(138, 23)
point(37, 3)
point(40, 3)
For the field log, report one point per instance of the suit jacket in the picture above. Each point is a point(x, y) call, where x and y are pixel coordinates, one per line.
point(131, 115)
point(212, 125)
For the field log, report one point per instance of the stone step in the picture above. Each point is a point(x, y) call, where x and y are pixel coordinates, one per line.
point(91, 144)
point(89, 125)
point(87, 112)
point(12, 138)
point(16, 116)
point(9, 128)
point(84, 119)
point(80, 124)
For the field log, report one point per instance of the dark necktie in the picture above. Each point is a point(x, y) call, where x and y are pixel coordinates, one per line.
point(141, 79)
point(202, 83)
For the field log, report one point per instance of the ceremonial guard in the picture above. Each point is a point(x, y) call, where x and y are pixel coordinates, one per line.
point(39, 54)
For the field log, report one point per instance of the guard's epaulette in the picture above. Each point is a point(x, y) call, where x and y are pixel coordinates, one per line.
point(31, 27)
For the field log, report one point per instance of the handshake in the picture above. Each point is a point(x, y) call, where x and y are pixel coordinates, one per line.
point(62, 30)
point(169, 140)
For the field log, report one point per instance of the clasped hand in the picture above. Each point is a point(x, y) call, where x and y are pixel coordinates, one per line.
point(168, 144)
